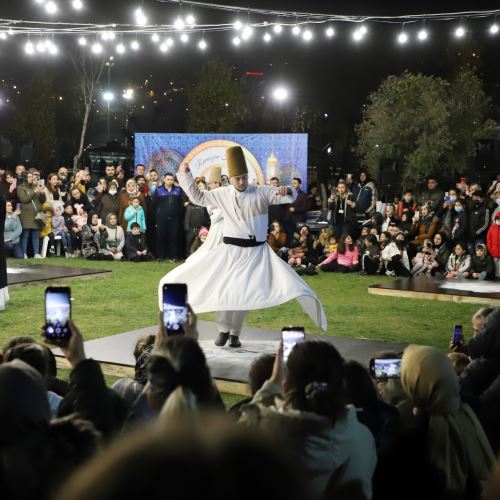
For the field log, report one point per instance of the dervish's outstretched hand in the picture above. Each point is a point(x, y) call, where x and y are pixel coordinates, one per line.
point(282, 190)
point(184, 168)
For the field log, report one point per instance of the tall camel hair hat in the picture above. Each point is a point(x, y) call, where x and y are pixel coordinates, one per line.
point(236, 164)
point(214, 175)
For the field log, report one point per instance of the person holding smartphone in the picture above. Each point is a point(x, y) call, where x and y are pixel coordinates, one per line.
point(243, 273)
point(342, 206)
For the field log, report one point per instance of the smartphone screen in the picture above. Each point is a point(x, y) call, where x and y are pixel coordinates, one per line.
point(457, 335)
point(175, 310)
point(57, 313)
point(18, 206)
point(290, 336)
point(385, 368)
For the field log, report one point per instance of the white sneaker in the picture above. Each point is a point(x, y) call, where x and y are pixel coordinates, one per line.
point(25, 256)
point(38, 256)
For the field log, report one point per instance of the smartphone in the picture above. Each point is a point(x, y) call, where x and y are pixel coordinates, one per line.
point(41, 183)
point(57, 314)
point(291, 335)
point(417, 214)
point(99, 222)
point(175, 309)
point(447, 198)
point(458, 336)
point(18, 206)
point(381, 368)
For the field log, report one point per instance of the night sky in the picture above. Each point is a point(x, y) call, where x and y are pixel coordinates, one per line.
point(334, 75)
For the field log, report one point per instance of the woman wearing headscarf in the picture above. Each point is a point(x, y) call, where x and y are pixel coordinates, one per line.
point(130, 192)
point(455, 442)
point(425, 225)
point(115, 237)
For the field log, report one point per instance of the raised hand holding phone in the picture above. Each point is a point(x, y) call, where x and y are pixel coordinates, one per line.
point(175, 308)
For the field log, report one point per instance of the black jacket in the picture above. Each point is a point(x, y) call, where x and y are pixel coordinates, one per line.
point(134, 243)
point(479, 221)
point(168, 204)
point(3, 263)
point(484, 264)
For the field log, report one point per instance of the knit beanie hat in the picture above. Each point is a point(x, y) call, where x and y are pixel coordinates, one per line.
point(202, 232)
point(236, 164)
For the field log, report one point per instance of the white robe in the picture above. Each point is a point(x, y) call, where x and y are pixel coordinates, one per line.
point(232, 278)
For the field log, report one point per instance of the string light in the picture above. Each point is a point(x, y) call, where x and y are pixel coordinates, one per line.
point(247, 32)
point(108, 35)
point(169, 41)
point(267, 37)
point(51, 7)
point(460, 32)
point(184, 38)
point(402, 38)
point(77, 4)
point(236, 41)
point(120, 48)
point(330, 32)
point(155, 37)
point(3, 35)
point(190, 20)
point(140, 17)
point(202, 45)
point(97, 48)
point(307, 35)
point(134, 45)
point(164, 47)
point(422, 35)
point(277, 28)
point(29, 49)
point(296, 30)
point(179, 23)
point(82, 41)
point(237, 25)
point(40, 46)
point(494, 29)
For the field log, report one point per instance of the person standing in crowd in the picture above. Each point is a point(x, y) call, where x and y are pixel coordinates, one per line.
point(12, 231)
point(243, 273)
point(195, 218)
point(479, 221)
point(493, 244)
point(109, 173)
point(168, 207)
point(135, 213)
point(52, 190)
point(297, 210)
point(342, 206)
point(62, 175)
point(110, 201)
point(365, 195)
point(433, 193)
point(130, 192)
point(406, 204)
point(314, 198)
point(277, 212)
point(31, 197)
point(19, 171)
point(4, 291)
point(79, 199)
point(140, 169)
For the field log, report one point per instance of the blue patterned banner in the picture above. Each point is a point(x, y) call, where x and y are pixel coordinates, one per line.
point(268, 155)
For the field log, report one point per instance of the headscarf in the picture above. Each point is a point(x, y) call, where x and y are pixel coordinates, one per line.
point(135, 193)
point(457, 443)
point(108, 223)
point(426, 221)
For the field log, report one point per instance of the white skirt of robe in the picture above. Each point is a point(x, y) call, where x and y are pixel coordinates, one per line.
point(232, 278)
point(4, 297)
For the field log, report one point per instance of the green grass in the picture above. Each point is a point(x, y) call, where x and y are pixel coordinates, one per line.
point(128, 300)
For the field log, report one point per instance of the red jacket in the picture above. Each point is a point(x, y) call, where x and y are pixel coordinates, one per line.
point(493, 240)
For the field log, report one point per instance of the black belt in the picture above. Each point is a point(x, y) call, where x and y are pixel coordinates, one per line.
point(240, 242)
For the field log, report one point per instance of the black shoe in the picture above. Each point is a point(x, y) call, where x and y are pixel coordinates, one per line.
point(222, 339)
point(234, 341)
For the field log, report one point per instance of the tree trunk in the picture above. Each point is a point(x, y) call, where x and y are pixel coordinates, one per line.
point(78, 156)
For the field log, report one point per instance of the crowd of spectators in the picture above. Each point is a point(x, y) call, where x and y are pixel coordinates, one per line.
point(315, 427)
point(453, 234)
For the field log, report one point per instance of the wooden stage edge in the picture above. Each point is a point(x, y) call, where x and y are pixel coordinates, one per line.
point(67, 279)
point(440, 297)
point(122, 371)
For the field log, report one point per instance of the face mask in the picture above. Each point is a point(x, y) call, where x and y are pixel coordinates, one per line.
point(497, 222)
point(498, 201)
point(458, 209)
point(112, 192)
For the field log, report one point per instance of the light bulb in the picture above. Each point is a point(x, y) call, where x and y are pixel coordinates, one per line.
point(330, 32)
point(267, 37)
point(494, 29)
point(164, 47)
point(169, 41)
point(184, 38)
point(363, 30)
point(29, 49)
point(422, 35)
point(460, 32)
point(296, 30)
point(236, 41)
point(277, 28)
point(120, 48)
point(247, 32)
point(53, 50)
point(179, 23)
point(155, 37)
point(402, 38)
point(82, 41)
point(307, 35)
point(140, 17)
point(357, 35)
point(3, 35)
point(77, 4)
point(51, 7)
point(237, 25)
point(97, 48)
point(134, 45)
point(190, 20)
point(202, 45)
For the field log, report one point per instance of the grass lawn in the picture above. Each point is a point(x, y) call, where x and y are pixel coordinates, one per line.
point(128, 300)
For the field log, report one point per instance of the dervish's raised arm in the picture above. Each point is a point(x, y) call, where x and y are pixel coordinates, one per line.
point(201, 198)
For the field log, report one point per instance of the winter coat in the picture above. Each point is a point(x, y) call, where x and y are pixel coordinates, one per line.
point(132, 215)
point(480, 381)
point(459, 264)
point(195, 218)
point(320, 446)
point(365, 197)
point(340, 205)
point(484, 264)
point(442, 255)
point(459, 225)
point(493, 241)
point(125, 202)
point(109, 204)
point(133, 244)
point(300, 206)
point(58, 224)
point(436, 196)
point(277, 243)
point(13, 229)
point(31, 204)
point(167, 204)
point(424, 230)
point(479, 220)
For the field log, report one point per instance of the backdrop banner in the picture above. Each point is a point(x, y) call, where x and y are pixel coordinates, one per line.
point(267, 155)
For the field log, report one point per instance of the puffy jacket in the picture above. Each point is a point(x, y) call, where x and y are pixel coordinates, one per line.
point(460, 264)
point(31, 203)
point(168, 204)
point(479, 220)
point(108, 204)
point(365, 197)
point(13, 229)
point(493, 241)
point(484, 264)
point(424, 230)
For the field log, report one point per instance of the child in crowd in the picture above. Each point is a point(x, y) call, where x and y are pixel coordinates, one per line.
point(482, 266)
point(458, 265)
point(135, 213)
point(199, 240)
point(46, 234)
point(297, 255)
point(370, 258)
point(493, 244)
point(321, 244)
point(136, 248)
point(73, 230)
point(344, 259)
point(395, 257)
point(59, 228)
point(425, 260)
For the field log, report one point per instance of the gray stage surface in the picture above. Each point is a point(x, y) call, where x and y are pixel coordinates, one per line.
point(31, 274)
point(227, 363)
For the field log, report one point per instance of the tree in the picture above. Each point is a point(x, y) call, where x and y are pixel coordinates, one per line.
point(427, 124)
point(35, 118)
point(214, 100)
point(88, 71)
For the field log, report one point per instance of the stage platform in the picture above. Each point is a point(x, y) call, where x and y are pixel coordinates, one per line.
point(31, 274)
point(228, 366)
point(422, 287)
